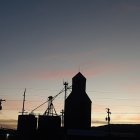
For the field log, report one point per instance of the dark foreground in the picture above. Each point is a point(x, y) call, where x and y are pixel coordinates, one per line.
point(114, 132)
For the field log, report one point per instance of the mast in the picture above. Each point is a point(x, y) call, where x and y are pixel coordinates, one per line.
point(65, 96)
point(23, 110)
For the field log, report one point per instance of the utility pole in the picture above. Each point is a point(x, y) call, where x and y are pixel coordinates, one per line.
point(108, 120)
point(65, 96)
point(23, 110)
point(63, 114)
point(108, 116)
point(1, 100)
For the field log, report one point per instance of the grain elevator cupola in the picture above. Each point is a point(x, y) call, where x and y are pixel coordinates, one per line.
point(78, 105)
point(79, 83)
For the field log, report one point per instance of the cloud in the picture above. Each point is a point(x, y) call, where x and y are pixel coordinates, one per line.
point(126, 118)
point(128, 7)
point(103, 69)
point(12, 105)
point(89, 69)
point(60, 74)
point(131, 87)
point(10, 124)
point(97, 123)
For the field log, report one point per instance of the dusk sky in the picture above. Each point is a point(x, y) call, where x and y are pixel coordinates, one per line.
point(46, 42)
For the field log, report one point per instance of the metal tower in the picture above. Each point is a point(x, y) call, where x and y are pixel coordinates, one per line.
point(50, 110)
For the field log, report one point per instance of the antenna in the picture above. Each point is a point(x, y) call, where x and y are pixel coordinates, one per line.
point(79, 69)
point(23, 106)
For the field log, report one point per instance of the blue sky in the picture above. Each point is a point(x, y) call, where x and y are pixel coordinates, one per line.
point(43, 43)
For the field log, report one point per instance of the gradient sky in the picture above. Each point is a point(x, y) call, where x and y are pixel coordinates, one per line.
point(46, 42)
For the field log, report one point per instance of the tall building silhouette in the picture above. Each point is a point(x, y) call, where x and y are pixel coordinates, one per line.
point(78, 105)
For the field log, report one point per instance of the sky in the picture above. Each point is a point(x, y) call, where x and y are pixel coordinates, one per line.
point(46, 42)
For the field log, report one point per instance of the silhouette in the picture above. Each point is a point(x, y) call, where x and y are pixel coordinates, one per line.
point(50, 110)
point(108, 119)
point(27, 124)
point(108, 116)
point(77, 113)
point(77, 120)
point(1, 100)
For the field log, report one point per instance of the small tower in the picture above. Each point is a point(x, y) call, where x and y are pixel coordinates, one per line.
point(77, 113)
point(1, 100)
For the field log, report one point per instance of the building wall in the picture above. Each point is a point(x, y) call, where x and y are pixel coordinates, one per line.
point(78, 105)
point(27, 124)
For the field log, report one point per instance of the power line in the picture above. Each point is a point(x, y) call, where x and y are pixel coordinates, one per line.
point(31, 88)
point(117, 105)
point(116, 113)
point(109, 98)
point(95, 113)
point(117, 98)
